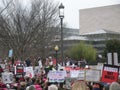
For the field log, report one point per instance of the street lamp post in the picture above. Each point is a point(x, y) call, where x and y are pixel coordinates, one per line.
point(56, 49)
point(61, 15)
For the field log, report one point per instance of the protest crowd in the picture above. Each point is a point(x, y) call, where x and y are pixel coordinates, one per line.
point(49, 74)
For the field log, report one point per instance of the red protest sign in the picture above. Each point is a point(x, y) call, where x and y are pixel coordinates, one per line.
point(19, 70)
point(110, 73)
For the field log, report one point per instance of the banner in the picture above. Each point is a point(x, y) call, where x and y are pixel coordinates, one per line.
point(7, 77)
point(56, 76)
point(92, 75)
point(110, 73)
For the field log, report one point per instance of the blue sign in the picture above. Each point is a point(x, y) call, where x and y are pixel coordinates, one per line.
point(10, 53)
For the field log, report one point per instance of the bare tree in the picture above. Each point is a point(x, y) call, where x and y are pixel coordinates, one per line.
point(28, 30)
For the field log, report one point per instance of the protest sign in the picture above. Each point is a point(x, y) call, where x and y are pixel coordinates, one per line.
point(10, 53)
point(29, 72)
point(77, 74)
point(74, 73)
point(2, 66)
point(19, 72)
point(109, 57)
point(19, 69)
point(7, 77)
point(11, 68)
point(92, 75)
point(110, 73)
point(36, 70)
point(81, 75)
point(100, 67)
point(56, 76)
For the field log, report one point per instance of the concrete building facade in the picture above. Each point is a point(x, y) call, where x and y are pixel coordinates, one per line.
point(93, 19)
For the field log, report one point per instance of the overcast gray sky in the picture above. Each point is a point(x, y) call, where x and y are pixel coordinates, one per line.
point(72, 9)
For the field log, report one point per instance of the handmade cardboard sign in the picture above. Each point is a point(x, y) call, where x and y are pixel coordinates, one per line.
point(7, 77)
point(56, 76)
point(92, 75)
point(110, 73)
point(29, 72)
point(80, 74)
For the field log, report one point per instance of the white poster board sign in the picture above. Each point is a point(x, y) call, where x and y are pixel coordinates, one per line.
point(100, 67)
point(109, 56)
point(115, 58)
point(10, 53)
point(37, 70)
point(3, 66)
point(80, 74)
point(29, 72)
point(56, 76)
point(7, 77)
point(74, 73)
point(92, 75)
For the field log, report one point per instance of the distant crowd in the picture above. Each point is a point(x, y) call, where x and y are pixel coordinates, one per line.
point(41, 81)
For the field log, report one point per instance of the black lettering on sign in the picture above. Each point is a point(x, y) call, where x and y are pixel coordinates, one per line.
point(109, 77)
point(110, 73)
